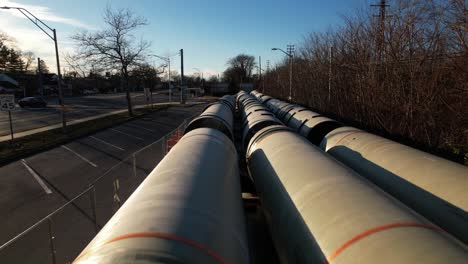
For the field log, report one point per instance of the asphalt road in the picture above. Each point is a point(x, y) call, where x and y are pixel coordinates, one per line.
point(33, 187)
point(77, 107)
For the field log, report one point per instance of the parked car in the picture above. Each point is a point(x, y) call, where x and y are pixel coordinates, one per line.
point(32, 102)
point(89, 92)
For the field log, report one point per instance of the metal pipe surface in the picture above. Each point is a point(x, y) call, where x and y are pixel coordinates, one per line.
point(254, 123)
point(188, 210)
point(305, 122)
point(229, 100)
point(287, 117)
point(218, 116)
point(315, 128)
point(320, 211)
point(247, 102)
point(257, 94)
point(252, 108)
point(273, 104)
point(265, 98)
point(434, 187)
point(254, 117)
point(240, 95)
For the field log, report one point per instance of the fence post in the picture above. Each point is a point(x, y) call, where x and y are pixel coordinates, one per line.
point(134, 165)
point(51, 240)
point(92, 201)
point(116, 192)
point(166, 146)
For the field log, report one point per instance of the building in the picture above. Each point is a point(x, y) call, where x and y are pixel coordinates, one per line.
point(8, 85)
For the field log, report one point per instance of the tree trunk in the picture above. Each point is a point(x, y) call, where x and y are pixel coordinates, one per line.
point(127, 92)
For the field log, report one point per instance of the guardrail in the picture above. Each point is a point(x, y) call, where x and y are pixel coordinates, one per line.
point(61, 235)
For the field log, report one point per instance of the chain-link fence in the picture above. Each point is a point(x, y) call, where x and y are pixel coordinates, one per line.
point(62, 235)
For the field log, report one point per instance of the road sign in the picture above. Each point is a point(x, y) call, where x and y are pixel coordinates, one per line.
point(7, 102)
point(147, 93)
point(149, 96)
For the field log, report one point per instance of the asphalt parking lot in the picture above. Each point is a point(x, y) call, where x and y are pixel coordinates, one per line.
point(33, 187)
point(77, 107)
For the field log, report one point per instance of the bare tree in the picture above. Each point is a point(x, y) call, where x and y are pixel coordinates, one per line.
point(114, 47)
point(29, 59)
point(243, 63)
point(77, 64)
point(239, 70)
point(4, 37)
point(410, 84)
point(44, 67)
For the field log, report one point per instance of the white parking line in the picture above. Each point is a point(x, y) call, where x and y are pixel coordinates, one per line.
point(140, 127)
point(81, 157)
point(107, 143)
point(38, 179)
point(128, 135)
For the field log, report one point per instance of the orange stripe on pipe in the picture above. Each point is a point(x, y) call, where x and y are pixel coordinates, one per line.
point(347, 135)
point(183, 240)
point(376, 230)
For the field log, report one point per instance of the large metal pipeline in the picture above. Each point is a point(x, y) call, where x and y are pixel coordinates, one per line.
point(276, 105)
point(305, 122)
point(311, 125)
point(230, 101)
point(254, 123)
point(320, 211)
point(242, 95)
point(218, 116)
point(252, 107)
point(254, 118)
point(249, 101)
point(284, 109)
point(188, 210)
point(257, 94)
point(434, 187)
point(263, 98)
point(295, 110)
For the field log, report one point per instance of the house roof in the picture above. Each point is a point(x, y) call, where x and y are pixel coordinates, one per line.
point(7, 79)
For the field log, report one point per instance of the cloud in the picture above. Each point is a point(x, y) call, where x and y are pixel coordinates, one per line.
point(43, 13)
point(27, 37)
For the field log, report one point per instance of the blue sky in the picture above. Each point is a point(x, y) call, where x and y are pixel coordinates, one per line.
point(209, 31)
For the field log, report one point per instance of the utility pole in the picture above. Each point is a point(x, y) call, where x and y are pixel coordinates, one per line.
point(290, 50)
point(260, 70)
point(39, 74)
point(267, 71)
point(330, 73)
point(59, 83)
point(169, 78)
point(182, 98)
point(44, 27)
point(380, 39)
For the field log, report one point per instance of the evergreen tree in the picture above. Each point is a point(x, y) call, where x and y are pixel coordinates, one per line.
point(4, 54)
point(15, 63)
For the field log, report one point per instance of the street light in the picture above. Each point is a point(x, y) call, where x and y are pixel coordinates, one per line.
point(168, 60)
point(36, 21)
point(260, 70)
point(290, 55)
point(200, 73)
